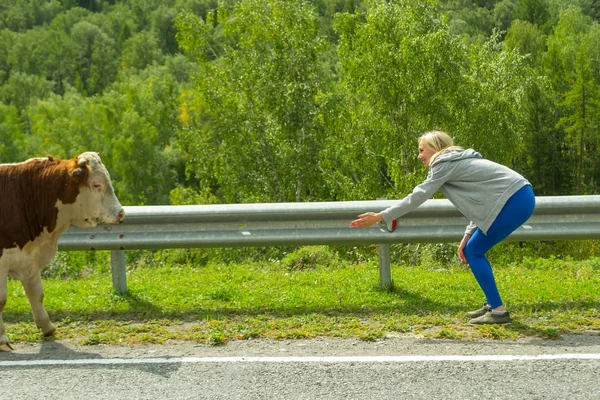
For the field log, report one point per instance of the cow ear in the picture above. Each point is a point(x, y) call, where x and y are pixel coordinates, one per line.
point(82, 169)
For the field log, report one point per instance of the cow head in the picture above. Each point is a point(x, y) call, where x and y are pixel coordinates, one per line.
point(96, 201)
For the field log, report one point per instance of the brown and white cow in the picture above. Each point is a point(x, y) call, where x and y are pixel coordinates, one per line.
point(39, 199)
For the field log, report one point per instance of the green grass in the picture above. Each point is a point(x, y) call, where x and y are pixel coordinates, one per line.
point(217, 303)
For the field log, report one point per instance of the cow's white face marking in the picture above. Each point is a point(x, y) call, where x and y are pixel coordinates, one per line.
point(97, 199)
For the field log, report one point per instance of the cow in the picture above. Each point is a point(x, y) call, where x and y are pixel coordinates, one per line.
point(39, 199)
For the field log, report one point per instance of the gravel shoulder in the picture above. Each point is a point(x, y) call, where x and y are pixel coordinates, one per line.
point(392, 346)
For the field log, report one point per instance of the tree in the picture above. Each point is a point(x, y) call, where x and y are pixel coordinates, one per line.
point(399, 63)
point(574, 75)
point(527, 39)
point(533, 11)
point(6, 43)
point(12, 135)
point(473, 21)
point(21, 90)
point(498, 83)
point(163, 29)
point(589, 8)
point(258, 136)
point(96, 57)
point(140, 50)
point(581, 105)
point(46, 53)
point(503, 14)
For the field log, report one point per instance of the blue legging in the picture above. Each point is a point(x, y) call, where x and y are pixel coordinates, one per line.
point(516, 211)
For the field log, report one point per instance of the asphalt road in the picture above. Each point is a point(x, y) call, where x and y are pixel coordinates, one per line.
point(398, 368)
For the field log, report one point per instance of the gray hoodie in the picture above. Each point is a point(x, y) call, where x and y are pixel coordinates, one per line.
point(479, 188)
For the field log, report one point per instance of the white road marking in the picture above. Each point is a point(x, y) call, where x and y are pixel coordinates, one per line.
point(325, 359)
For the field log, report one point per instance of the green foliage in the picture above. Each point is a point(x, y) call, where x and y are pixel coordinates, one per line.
point(258, 132)
point(12, 135)
point(205, 102)
point(290, 106)
point(140, 50)
point(573, 73)
point(96, 57)
point(527, 39)
point(474, 21)
point(496, 93)
point(533, 11)
point(22, 89)
point(398, 63)
point(77, 265)
point(20, 15)
point(513, 253)
point(310, 257)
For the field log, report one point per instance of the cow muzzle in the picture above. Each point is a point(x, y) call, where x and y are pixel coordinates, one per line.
point(121, 215)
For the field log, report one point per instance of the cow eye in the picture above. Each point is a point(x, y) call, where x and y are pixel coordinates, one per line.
point(97, 186)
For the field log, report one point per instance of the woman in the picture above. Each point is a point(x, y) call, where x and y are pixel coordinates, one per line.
point(496, 200)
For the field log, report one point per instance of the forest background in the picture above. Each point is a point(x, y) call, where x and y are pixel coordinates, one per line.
point(204, 102)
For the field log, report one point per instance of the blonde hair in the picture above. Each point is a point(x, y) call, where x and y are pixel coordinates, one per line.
point(438, 141)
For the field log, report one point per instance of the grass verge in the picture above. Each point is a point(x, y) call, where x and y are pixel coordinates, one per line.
point(217, 303)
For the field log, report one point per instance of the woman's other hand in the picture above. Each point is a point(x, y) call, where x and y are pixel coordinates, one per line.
point(461, 249)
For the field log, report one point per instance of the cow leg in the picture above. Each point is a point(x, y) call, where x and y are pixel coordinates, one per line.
point(34, 289)
point(4, 344)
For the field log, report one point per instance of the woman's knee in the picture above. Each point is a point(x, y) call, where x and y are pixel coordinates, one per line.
point(470, 251)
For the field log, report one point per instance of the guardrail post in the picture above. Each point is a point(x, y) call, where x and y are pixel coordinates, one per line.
point(119, 272)
point(385, 275)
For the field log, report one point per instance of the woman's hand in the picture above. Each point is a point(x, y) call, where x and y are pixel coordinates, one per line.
point(461, 248)
point(367, 219)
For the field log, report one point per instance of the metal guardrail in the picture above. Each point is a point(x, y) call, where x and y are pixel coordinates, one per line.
point(323, 223)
